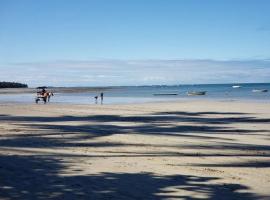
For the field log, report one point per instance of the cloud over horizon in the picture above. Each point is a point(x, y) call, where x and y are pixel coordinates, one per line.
point(135, 72)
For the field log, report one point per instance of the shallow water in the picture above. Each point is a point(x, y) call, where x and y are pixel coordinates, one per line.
point(140, 94)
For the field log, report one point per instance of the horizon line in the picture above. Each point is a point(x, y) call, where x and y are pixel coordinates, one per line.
point(107, 86)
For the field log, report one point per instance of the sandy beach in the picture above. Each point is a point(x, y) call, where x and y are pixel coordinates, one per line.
point(177, 150)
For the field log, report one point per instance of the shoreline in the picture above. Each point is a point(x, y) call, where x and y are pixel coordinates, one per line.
point(167, 101)
point(131, 95)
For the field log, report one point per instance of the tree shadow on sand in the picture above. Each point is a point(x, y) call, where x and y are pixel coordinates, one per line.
point(32, 177)
point(162, 123)
point(82, 135)
point(156, 124)
point(39, 177)
point(202, 117)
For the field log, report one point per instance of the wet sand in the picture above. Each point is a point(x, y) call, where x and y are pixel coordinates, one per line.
point(177, 150)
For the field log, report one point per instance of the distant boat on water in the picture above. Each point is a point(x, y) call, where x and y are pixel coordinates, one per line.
point(195, 93)
point(262, 90)
point(168, 94)
point(236, 86)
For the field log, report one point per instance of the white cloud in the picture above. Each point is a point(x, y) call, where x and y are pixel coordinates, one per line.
point(136, 72)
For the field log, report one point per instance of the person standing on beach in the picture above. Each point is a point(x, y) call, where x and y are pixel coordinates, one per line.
point(101, 97)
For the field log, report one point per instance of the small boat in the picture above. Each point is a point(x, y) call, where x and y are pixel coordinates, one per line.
point(194, 93)
point(263, 90)
point(236, 86)
point(164, 94)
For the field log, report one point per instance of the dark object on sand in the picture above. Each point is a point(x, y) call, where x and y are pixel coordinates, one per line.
point(195, 93)
point(96, 99)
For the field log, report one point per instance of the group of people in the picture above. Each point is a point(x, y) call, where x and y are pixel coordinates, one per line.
point(45, 96)
point(101, 98)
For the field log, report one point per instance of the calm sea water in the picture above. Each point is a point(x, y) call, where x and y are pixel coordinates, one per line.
point(115, 95)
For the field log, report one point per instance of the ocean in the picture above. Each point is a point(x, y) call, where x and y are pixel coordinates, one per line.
point(141, 94)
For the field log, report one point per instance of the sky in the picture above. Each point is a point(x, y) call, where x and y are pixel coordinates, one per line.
point(134, 42)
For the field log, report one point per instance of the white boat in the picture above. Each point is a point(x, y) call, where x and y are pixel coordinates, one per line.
point(262, 90)
point(194, 93)
point(236, 86)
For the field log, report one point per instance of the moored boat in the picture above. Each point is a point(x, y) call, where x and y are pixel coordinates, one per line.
point(194, 93)
point(262, 90)
point(236, 86)
point(165, 94)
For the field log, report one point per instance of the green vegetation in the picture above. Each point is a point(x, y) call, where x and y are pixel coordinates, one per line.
point(12, 85)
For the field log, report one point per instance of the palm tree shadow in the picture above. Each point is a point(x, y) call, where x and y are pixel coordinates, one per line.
point(33, 177)
point(39, 177)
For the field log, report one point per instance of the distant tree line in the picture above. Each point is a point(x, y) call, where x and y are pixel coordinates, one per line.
point(12, 85)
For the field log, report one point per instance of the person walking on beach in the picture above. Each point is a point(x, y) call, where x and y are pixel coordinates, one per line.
point(101, 97)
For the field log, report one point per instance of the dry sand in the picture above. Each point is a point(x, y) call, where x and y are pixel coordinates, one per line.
point(177, 150)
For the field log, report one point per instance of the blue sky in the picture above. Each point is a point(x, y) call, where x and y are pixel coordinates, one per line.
point(134, 42)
